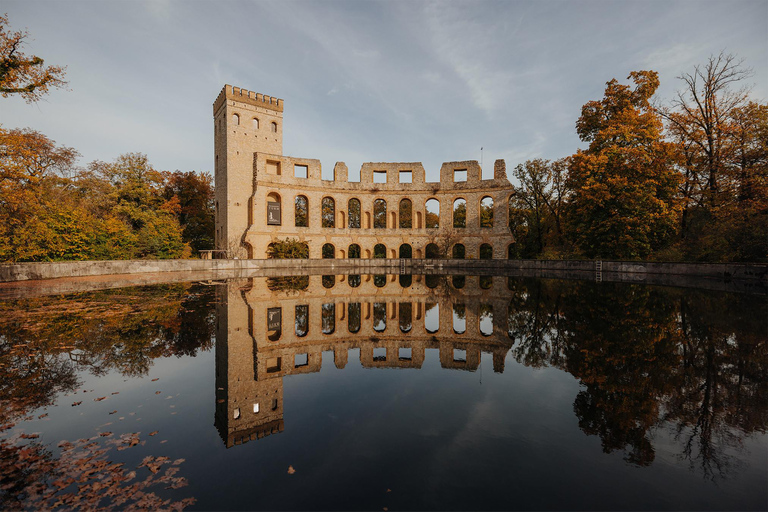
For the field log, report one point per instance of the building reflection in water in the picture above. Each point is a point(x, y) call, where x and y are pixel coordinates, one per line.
point(270, 329)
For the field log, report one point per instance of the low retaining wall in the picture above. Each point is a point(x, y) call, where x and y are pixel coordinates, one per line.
point(726, 271)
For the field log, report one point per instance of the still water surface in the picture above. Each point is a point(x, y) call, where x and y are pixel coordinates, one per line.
point(385, 393)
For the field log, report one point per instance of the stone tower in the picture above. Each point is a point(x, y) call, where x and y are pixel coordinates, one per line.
point(244, 123)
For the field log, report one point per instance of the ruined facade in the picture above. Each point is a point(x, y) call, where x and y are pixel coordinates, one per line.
point(392, 212)
point(266, 333)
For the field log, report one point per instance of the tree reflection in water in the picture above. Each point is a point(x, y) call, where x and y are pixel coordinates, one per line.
point(45, 341)
point(650, 358)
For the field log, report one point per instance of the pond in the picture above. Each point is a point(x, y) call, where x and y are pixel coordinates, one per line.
point(385, 392)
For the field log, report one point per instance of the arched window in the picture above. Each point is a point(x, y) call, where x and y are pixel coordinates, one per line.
point(486, 282)
point(405, 280)
point(458, 281)
point(329, 251)
point(379, 251)
point(405, 314)
point(459, 252)
point(328, 281)
point(274, 211)
point(379, 280)
point(353, 281)
point(459, 318)
point(236, 119)
point(301, 212)
point(255, 123)
point(354, 251)
point(486, 252)
point(511, 252)
point(432, 217)
point(406, 214)
point(302, 320)
point(432, 316)
point(353, 206)
point(405, 251)
point(354, 315)
point(328, 317)
point(460, 213)
point(486, 212)
point(379, 316)
point(432, 252)
point(380, 214)
point(486, 319)
point(328, 212)
point(274, 127)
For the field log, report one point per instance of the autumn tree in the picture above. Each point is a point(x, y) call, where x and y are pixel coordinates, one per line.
point(536, 206)
point(720, 136)
point(137, 195)
point(700, 118)
point(21, 74)
point(623, 185)
point(195, 212)
point(290, 248)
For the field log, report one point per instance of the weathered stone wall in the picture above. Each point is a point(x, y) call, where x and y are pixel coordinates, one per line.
point(65, 269)
point(251, 171)
point(285, 187)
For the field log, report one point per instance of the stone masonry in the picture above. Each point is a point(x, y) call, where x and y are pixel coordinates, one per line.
point(251, 172)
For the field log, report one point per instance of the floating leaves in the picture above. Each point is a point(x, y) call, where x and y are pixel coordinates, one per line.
point(84, 477)
point(291, 470)
point(76, 404)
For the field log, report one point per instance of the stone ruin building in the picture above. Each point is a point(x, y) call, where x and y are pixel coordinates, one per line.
point(392, 212)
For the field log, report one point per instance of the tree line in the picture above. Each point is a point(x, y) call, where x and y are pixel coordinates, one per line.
point(687, 181)
point(51, 209)
point(683, 181)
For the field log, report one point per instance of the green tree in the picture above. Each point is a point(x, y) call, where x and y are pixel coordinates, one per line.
point(137, 196)
point(290, 248)
point(624, 186)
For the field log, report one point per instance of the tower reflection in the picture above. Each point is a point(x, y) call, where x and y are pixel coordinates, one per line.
point(272, 328)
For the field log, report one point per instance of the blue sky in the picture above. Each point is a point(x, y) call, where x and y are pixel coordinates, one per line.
point(363, 80)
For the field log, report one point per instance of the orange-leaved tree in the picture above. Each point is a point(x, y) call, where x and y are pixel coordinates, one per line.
point(22, 74)
point(624, 186)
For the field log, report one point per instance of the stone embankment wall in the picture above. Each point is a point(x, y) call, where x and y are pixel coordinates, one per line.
point(55, 270)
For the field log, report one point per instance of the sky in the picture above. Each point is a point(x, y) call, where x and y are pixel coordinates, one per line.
point(363, 81)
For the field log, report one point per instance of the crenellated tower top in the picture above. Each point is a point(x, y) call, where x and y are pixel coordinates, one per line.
point(256, 99)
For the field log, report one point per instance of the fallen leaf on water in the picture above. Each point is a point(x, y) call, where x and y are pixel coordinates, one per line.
point(220, 401)
point(389, 490)
point(30, 436)
point(76, 404)
point(158, 392)
point(116, 393)
point(291, 470)
point(154, 433)
point(163, 441)
point(99, 399)
point(113, 412)
point(105, 434)
point(42, 416)
point(155, 379)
